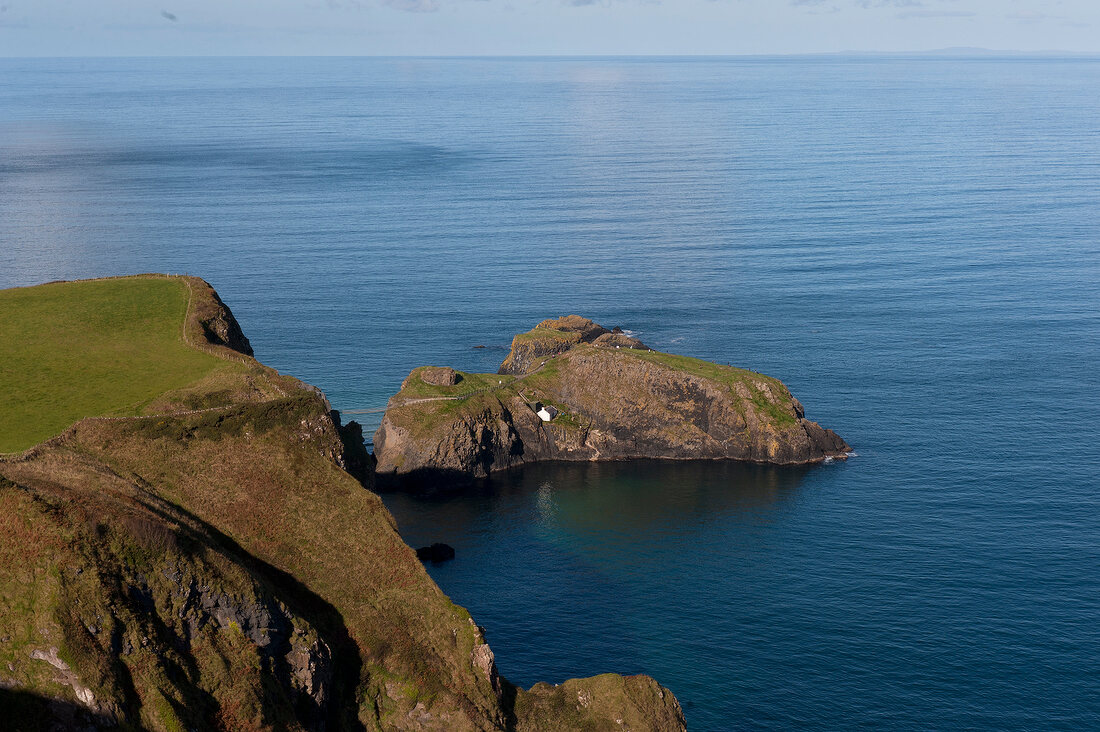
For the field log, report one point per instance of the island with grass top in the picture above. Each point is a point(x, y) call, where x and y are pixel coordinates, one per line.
point(189, 541)
point(573, 390)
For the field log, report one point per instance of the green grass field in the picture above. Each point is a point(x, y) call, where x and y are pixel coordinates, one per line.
point(469, 384)
point(80, 349)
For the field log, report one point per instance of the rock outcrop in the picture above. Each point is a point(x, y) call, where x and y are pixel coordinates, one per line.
point(439, 375)
point(547, 339)
point(616, 400)
point(620, 340)
point(437, 552)
point(216, 319)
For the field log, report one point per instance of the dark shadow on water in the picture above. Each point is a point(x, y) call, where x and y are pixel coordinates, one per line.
point(428, 482)
point(634, 499)
point(576, 569)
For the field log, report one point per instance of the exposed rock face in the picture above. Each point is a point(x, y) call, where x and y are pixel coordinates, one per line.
point(66, 677)
point(439, 375)
point(634, 703)
point(585, 328)
point(354, 458)
point(620, 340)
point(217, 321)
point(552, 338)
point(615, 404)
point(549, 338)
point(145, 603)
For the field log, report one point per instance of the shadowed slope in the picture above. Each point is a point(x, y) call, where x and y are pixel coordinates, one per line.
point(213, 566)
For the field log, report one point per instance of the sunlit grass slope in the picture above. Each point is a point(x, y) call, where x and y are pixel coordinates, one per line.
point(79, 349)
point(220, 570)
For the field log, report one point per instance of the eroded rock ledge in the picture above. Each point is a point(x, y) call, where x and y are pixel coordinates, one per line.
point(614, 398)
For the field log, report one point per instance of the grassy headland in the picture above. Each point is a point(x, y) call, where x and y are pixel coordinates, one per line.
point(91, 348)
point(208, 564)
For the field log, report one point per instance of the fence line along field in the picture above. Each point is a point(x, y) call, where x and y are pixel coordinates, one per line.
point(104, 347)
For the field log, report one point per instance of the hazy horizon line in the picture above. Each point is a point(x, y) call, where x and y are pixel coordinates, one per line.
point(952, 51)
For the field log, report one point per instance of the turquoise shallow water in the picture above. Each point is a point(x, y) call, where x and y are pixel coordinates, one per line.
point(912, 245)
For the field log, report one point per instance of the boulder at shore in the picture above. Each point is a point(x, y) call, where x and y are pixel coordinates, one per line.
point(615, 399)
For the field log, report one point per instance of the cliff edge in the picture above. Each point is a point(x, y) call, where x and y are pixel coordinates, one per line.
point(571, 389)
point(205, 561)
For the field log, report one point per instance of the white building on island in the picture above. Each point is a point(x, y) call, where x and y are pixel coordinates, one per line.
point(546, 413)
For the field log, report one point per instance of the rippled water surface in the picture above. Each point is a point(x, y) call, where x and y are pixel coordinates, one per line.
point(912, 245)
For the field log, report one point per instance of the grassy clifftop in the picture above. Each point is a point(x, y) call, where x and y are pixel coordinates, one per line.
point(99, 347)
point(207, 563)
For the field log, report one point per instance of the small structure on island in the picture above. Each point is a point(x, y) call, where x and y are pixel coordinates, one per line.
point(440, 376)
point(545, 411)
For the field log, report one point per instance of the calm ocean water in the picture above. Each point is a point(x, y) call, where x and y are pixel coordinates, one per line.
point(912, 245)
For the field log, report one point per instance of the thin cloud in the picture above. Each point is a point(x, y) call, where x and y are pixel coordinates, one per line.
point(1032, 16)
point(413, 6)
point(937, 14)
point(865, 3)
point(607, 3)
point(890, 3)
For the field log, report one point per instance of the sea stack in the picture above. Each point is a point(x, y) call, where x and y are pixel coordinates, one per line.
point(610, 397)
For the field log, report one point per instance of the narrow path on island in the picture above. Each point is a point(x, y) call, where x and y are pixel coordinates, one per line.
point(457, 397)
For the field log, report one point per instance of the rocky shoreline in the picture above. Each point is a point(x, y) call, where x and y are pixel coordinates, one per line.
point(607, 396)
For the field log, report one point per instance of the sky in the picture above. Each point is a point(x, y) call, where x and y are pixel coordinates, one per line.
point(538, 27)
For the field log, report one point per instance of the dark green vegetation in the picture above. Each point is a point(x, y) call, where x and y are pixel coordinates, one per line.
point(212, 565)
point(97, 347)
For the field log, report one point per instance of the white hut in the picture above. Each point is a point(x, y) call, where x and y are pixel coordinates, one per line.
point(547, 413)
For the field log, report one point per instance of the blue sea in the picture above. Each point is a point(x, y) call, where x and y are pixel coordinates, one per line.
point(911, 244)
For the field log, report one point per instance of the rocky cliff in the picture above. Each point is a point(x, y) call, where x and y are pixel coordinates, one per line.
point(615, 399)
point(212, 565)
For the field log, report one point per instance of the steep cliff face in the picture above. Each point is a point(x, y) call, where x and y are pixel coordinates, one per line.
point(213, 566)
point(548, 339)
point(615, 402)
point(147, 619)
point(216, 320)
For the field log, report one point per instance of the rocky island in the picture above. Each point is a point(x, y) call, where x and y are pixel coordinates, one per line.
point(188, 542)
point(570, 389)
